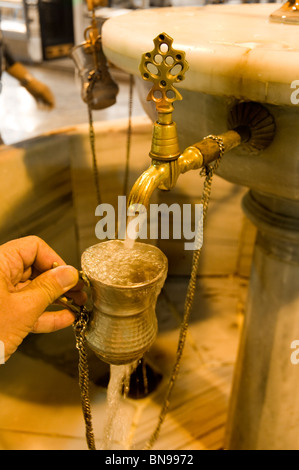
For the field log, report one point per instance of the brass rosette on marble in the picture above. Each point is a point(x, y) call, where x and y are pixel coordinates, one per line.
point(254, 123)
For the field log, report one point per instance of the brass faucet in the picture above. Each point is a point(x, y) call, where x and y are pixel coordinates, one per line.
point(165, 66)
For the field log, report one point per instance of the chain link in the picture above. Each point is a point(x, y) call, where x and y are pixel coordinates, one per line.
point(208, 168)
point(79, 326)
point(129, 136)
point(93, 78)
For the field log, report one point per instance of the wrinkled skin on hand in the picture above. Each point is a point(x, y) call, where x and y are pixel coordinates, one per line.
point(28, 285)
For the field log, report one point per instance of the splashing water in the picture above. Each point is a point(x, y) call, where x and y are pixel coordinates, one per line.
point(131, 236)
point(115, 418)
point(136, 226)
point(113, 263)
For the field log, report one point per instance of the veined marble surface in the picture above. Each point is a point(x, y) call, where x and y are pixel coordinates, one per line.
point(232, 50)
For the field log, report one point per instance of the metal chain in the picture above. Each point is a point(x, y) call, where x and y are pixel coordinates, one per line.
point(93, 78)
point(208, 173)
point(129, 136)
point(79, 327)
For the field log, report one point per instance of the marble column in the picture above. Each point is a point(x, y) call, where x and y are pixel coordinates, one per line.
point(264, 407)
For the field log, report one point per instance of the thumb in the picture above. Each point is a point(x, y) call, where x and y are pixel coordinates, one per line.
point(46, 288)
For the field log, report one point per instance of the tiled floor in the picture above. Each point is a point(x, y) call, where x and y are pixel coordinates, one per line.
point(39, 394)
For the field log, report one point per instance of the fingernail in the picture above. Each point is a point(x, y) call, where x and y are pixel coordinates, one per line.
point(67, 276)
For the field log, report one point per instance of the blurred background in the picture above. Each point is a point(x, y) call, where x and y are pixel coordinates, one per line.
point(40, 34)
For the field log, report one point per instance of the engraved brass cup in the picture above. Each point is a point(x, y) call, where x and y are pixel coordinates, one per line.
point(98, 89)
point(123, 323)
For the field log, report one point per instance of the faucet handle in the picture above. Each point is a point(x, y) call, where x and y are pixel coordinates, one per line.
point(164, 66)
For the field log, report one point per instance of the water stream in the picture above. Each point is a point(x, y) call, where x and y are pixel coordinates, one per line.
point(116, 432)
point(122, 265)
point(118, 388)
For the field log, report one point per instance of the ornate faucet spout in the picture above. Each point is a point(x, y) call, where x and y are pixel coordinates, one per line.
point(152, 178)
point(164, 175)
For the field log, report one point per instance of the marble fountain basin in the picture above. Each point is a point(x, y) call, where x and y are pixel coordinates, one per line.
point(235, 54)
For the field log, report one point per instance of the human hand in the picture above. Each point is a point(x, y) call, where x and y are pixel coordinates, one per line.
point(40, 92)
point(28, 285)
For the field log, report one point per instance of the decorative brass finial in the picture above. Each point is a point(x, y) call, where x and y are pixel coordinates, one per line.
point(91, 33)
point(92, 4)
point(287, 13)
point(164, 66)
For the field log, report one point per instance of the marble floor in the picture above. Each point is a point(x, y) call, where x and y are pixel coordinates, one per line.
point(40, 399)
point(39, 393)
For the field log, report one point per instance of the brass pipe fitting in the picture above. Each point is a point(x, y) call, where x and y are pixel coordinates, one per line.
point(165, 143)
point(164, 175)
point(207, 150)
